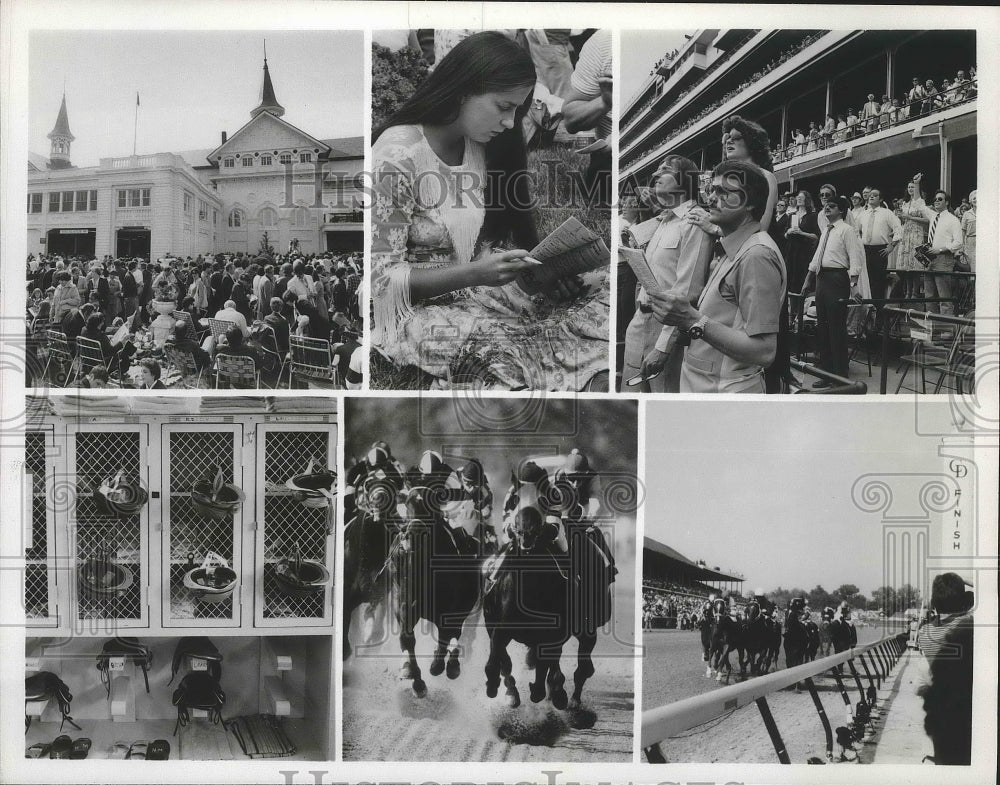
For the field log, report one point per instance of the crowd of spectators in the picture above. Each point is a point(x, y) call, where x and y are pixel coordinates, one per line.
point(121, 304)
point(749, 81)
point(877, 115)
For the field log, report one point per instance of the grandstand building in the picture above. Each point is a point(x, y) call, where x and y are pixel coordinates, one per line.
point(787, 79)
point(267, 177)
point(663, 568)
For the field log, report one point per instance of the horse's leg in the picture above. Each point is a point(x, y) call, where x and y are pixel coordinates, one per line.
point(453, 667)
point(410, 669)
point(537, 687)
point(507, 669)
point(443, 639)
point(494, 662)
point(584, 666)
point(556, 682)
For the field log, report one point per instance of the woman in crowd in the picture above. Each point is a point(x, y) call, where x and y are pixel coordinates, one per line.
point(118, 357)
point(801, 238)
point(915, 226)
point(318, 325)
point(969, 233)
point(449, 191)
point(151, 372)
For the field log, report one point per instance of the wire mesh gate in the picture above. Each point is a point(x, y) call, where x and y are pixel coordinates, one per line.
point(108, 544)
point(38, 599)
point(289, 527)
point(190, 454)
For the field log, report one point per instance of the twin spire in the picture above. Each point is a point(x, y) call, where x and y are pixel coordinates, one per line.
point(268, 101)
point(62, 137)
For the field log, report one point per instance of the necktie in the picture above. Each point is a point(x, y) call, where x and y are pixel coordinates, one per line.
point(871, 226)
point(930, 237)
point(822, 245)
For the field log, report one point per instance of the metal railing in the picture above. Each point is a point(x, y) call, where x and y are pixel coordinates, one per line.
point(876, 660)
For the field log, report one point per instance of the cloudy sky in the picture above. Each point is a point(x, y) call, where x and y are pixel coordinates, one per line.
point(766, 489)
point(192, 85)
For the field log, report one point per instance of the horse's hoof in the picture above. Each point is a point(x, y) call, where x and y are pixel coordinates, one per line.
point(419, 688)
point(537, 695)
point(437, 666)
point(574, 704)
point(513, 699)
point(453, 668)
point(560, 699)
point(491, 690)
point(718, 677)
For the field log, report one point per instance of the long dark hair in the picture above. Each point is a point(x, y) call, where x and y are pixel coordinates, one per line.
point(755, 137)
point(486, 62)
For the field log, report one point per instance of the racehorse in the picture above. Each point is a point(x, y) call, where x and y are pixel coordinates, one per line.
point(755, 639)
point(796, 635)
point(725, 639)
point(773, 648)
point(528, 601)
point(589, 571)
point(812, 638)
point(373, 522)
point(433, 574)
point(705, 624)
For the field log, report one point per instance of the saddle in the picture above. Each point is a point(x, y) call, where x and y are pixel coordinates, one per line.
point(132, 651)
point(200, 648)
point(45, 685)
point(198, 690)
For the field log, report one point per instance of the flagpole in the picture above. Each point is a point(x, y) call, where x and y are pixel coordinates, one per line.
point(135, 127)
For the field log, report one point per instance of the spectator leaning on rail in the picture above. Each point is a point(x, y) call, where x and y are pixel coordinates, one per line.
point(733, 330)
point(947, 644)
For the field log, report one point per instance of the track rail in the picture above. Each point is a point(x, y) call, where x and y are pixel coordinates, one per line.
point(875, 659)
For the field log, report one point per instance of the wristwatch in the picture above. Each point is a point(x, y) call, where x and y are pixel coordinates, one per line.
point(697, 330)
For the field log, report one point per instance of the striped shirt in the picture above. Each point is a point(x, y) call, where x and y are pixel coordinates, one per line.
point(594, 62)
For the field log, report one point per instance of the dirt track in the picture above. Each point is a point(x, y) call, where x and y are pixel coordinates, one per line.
point(673, 670)
point(456, 721)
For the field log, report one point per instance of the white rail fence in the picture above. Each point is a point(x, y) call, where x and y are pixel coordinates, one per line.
point(876, 661)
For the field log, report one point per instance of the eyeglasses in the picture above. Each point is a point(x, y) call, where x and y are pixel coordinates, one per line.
point(826, 193)
point(939, 199)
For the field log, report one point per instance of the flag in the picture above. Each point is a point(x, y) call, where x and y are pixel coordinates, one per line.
point(136, 97)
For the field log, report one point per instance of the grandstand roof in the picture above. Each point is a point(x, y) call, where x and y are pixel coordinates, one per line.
point(683, 564)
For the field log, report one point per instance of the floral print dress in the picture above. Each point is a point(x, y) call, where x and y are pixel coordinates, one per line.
point(914, 234)
point(429, 214)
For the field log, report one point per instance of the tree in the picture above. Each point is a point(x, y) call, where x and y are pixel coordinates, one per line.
point(848, 591)
point(395, 77)
point(266, 248)
point(907, 597)
point(819, 597)
point(884, 598)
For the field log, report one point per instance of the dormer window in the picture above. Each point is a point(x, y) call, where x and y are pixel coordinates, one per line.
point(305, 158)
point(247, 161)
point(265, 160)
point(228, 163)
point(285, 158)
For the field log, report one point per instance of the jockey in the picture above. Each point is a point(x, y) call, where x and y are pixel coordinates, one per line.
point(434, 484)
point(377, 468)
point(478, 496)
point(579, 493)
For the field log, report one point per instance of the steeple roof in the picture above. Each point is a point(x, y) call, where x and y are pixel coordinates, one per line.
point(62, 123)
point(268, 101)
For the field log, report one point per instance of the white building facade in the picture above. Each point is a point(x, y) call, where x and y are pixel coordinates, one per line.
point(268, 177)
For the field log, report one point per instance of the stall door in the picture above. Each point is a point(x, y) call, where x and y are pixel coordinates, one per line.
point(111, 551)
point(40, 575)
point(287, 529)
point(190, 454)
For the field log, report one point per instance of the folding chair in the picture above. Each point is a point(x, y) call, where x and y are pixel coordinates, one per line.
point(184, 363)
point(930, 355)
point(240, 372)
point(58, 348)
point(312, 361)
point(861, 332)
point(219, 328)
point(89, 355)
point(269, 346)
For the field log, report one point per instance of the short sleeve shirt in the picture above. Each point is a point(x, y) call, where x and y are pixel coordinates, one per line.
point(756, 287)
point(594, 62)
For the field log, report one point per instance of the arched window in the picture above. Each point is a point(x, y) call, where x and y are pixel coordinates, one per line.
point(302, 216)
point(236, 218)
point(268, 217)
